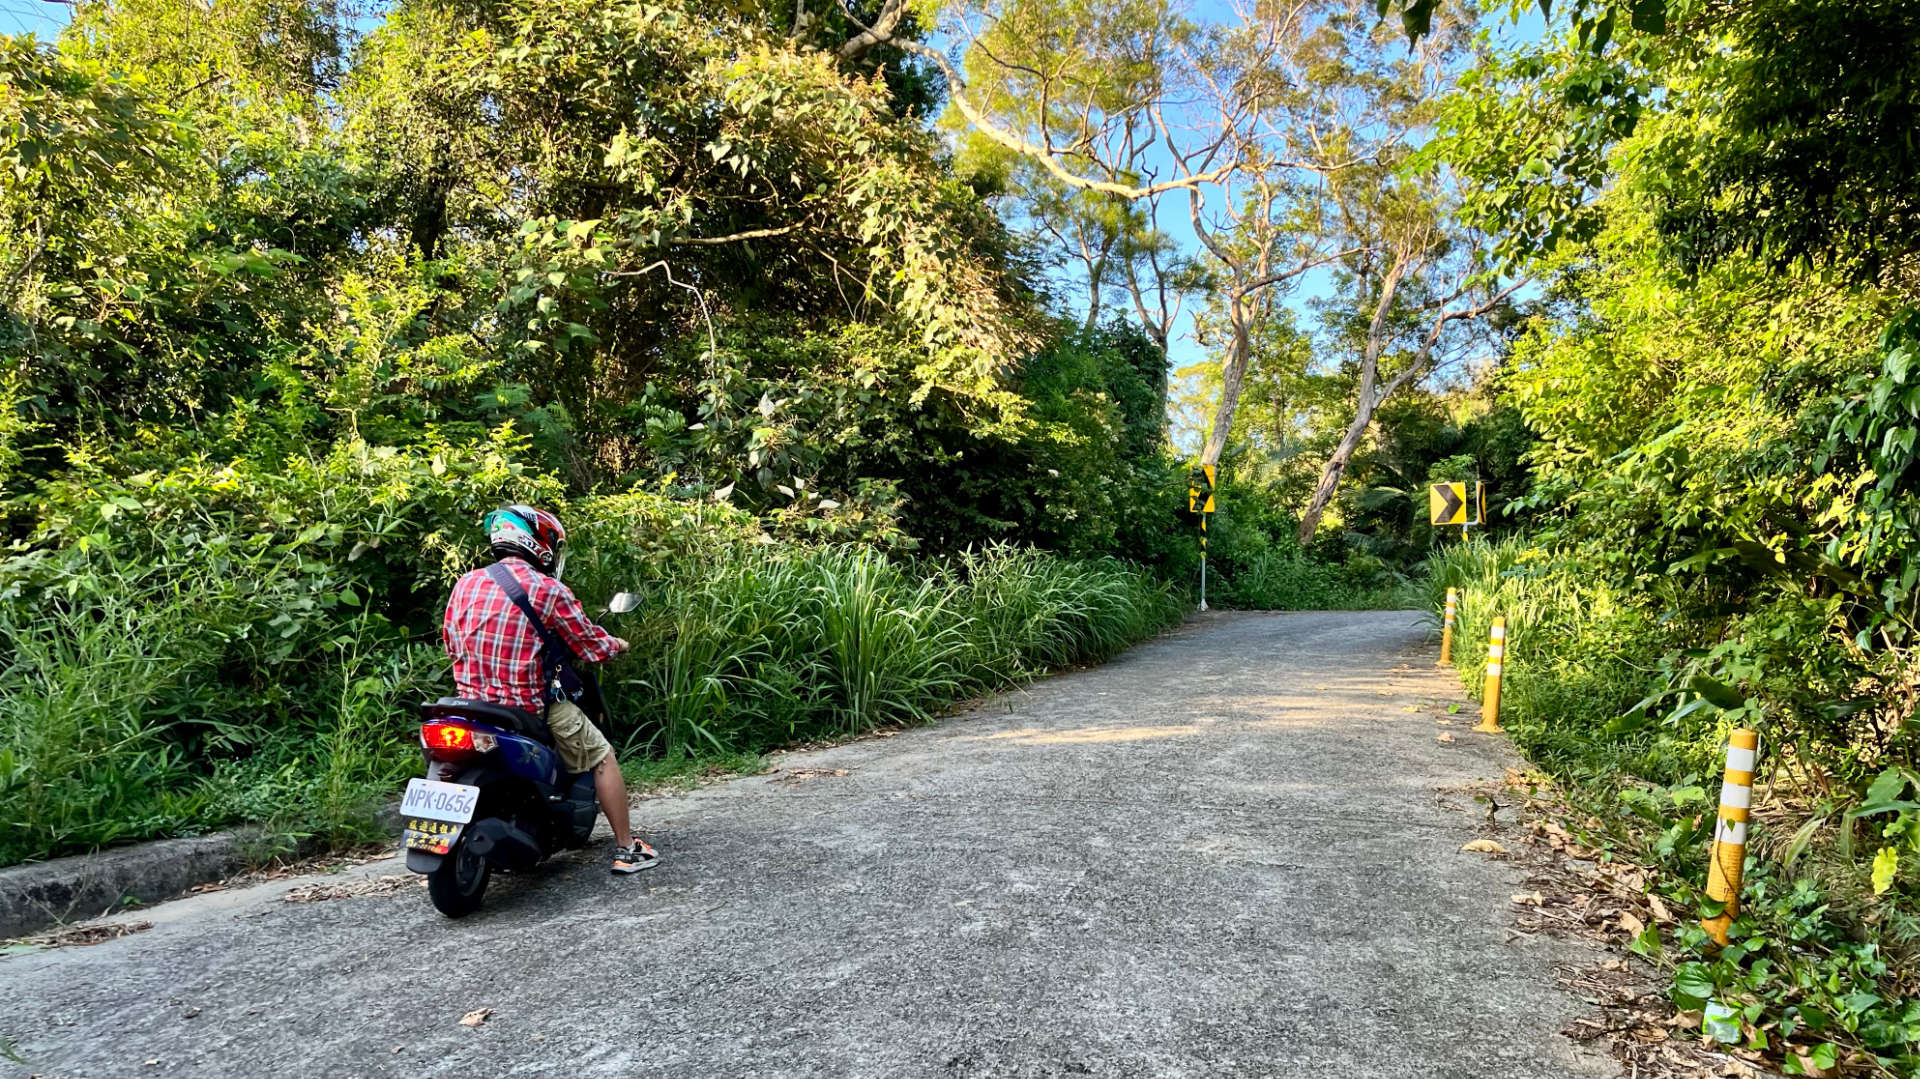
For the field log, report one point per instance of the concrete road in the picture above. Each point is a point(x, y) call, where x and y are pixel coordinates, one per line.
point(1224, 854)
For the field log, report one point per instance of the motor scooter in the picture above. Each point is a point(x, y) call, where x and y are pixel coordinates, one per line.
point(495, 796)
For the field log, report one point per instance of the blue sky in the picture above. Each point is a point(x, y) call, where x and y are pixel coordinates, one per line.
point(40, 17)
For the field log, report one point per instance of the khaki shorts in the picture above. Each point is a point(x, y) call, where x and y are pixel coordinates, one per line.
point(580, 744)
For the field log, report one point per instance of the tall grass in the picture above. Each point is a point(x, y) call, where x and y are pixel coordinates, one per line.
point(1580, 654)
point(1286, 580)
point(144, 700)
point(83, 761)
point(778, 645)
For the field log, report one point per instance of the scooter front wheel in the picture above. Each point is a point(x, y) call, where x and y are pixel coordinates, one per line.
point(459, 882)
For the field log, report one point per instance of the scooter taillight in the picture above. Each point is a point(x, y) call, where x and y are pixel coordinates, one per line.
point(444, 740)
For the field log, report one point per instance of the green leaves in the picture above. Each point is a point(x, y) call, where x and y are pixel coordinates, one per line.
point(1692, 986)
point(1650, 16)
point(1416, 16)
point(1716, 693)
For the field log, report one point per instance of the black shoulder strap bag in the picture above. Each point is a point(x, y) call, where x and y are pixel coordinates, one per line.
point(557, 672)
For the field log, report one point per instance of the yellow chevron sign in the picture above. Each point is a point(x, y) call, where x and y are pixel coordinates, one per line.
point(1199, 499)
point(1447, 504)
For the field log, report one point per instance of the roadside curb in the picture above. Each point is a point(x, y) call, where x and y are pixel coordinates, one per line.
point(83, 886)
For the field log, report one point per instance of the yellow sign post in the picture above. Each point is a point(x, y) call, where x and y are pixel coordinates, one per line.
point(1496, 665)
point(1730, 831)
point(1200, 501)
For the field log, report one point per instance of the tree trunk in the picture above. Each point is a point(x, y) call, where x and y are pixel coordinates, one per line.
point(1096, 280)
point(1366, 403)
point(1335, 469)
point(1232, 377)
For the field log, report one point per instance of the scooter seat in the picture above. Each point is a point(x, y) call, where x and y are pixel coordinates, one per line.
point(505, 717)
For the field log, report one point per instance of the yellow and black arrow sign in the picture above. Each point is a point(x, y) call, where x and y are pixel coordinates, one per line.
point(1200, 490)
point(1447, 503)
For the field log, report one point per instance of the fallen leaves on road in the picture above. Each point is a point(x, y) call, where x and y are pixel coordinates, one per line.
point(1809, 1067)
point(1660, 912)
point(289, 868)
point(71, 936)
point(387, 885)
point(1484, 846)
point(475, 1017)
point(1638, 1022)
point(1443, 736)
point(1591, 894)
point(801, 775)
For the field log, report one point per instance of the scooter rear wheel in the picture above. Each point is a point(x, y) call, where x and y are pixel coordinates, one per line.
point(459, 883)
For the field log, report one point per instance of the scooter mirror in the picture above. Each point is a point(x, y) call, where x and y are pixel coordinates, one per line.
point(623, 602)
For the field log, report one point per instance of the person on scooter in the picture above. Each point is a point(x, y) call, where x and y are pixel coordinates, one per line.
point(496, 655)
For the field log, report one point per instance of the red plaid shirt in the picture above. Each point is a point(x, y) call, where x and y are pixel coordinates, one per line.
point(496, 653)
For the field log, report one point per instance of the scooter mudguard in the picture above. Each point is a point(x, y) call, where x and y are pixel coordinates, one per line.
point(424, 861)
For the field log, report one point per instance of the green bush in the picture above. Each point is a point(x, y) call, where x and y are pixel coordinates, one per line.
point(1580, 654)
point(1278, 580)
point(772, 645)
point(215, 647)
point(1590, 667)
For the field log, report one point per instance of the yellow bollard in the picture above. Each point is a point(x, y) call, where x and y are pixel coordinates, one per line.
point(1490, 696)
point(1730, 831)
point(1446, 632)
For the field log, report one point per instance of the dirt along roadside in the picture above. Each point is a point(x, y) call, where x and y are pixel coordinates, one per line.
point(1235, 850)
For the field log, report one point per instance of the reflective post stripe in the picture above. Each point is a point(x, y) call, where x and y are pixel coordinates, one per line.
point(1446, 632)
point(1490, 694)
point(1203, 561)
point(1730, 830)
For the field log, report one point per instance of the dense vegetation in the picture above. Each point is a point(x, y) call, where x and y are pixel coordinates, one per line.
point(1718, 527)
point(854, 359)
point(286, 306)
point(291, 293)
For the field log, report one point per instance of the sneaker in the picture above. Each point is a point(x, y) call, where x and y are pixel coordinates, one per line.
point(635, 858)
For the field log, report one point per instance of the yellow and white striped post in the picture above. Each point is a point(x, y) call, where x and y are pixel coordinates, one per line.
point(1446, 631)
point(1730, 831)
point(1490, 694)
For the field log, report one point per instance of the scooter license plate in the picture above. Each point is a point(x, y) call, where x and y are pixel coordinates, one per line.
point(435, 836)
point(434, 800)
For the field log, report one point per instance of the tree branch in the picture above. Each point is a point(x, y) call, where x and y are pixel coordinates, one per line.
point(738, 237)
point(1048, 156)
point(713, 339)
point(1274, 279)
point(881, 32)
point(1422, 358)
